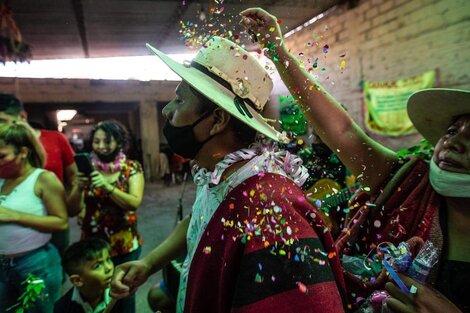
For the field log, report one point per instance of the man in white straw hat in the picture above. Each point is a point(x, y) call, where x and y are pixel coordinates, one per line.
point(253, 242)
point(409, 199)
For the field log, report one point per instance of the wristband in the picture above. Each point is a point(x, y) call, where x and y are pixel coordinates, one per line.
point(112, 190)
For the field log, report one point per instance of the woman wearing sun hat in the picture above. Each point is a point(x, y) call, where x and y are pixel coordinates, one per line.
point(411, 197)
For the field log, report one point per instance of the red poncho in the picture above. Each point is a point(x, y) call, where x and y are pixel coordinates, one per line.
point(403, 209)
point(265, 250)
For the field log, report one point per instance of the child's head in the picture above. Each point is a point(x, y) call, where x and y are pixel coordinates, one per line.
point(88, 264)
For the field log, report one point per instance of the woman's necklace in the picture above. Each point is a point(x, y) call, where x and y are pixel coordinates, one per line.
point(109, 167)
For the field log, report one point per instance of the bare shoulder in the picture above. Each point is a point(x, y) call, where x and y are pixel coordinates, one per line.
point(49, 180)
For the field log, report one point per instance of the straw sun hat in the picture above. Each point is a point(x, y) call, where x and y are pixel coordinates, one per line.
point(231, 78)
point(433, 110)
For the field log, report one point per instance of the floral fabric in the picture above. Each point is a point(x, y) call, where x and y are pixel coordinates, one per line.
point(106, 220)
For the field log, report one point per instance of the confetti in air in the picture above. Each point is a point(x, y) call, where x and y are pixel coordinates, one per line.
point(217, 22)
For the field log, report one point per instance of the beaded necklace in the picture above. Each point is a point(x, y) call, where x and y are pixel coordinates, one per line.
point(110, 167)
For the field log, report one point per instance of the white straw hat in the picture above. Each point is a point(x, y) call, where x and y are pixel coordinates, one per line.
point(230, 77)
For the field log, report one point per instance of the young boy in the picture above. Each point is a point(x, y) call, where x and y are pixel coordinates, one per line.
point(90, 270)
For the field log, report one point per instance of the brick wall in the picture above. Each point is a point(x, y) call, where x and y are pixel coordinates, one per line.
point(384, 40)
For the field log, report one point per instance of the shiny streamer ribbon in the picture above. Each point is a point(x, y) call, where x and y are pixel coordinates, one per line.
point(395, 277)
point(289, 163)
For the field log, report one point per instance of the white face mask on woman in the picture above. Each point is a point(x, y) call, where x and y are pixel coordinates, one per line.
point(449, 184)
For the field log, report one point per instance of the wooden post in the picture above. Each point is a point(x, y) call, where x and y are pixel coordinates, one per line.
point(149, 130)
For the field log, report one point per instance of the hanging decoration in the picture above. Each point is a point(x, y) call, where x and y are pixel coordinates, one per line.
point(12, 46)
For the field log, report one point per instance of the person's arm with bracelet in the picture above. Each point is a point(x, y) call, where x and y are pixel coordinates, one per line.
point(128, 201)
point(129, 276)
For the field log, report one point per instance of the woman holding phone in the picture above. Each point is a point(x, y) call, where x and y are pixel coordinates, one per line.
point(111, 195)
point(32, 206)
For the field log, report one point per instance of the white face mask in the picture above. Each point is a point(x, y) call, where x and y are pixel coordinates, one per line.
point(449, 184)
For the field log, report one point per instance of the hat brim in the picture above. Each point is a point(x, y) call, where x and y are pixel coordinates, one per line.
point(218, 94)
point(433, 110)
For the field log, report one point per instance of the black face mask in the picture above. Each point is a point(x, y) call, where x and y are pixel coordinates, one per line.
point(182, 140)
point(108, 157)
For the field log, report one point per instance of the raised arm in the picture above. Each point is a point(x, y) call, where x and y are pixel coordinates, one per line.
point(364, 157)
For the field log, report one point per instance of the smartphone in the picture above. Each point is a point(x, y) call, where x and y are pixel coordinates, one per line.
point(83, 163)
